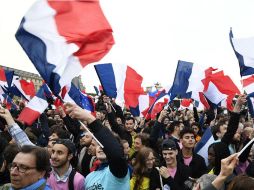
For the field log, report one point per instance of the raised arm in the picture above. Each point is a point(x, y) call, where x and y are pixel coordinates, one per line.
point(15, 131)
point(234, 120)
point(156, 129)
point(227, 166)
point(112, 147)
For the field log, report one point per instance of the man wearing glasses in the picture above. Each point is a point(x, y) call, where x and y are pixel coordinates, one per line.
point(29, 169)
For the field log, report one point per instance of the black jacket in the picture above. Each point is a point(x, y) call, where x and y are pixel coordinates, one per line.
point(112, 148)
point(176, 183)
point(221, 148)
point(119, 129)
point(197, 165)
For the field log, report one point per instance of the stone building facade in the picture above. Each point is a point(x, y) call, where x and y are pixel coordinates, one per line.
point(37, 80)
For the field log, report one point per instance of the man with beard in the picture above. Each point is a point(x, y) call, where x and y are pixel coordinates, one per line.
point(63, 176)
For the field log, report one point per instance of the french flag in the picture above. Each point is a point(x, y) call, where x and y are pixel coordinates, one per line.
point(34, 108)
point(197, 82)
point(6, 78)
point(62, 37)
point(248, 84)
point(243, 49)
point(202, 146)
point(23, 88)
point(9, 102)
point(120, 82)
point(186, 103)
point(143, 104)
point(161, 101)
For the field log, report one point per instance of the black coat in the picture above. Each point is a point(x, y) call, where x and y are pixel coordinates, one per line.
point(176, 183)
point(197, 165)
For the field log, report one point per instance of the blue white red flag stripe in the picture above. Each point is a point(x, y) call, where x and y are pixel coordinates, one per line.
point(120, 82)
point(59, 43)
point(202, 146)
point(34, 108)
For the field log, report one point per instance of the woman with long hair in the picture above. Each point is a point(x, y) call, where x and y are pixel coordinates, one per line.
point(143, 166)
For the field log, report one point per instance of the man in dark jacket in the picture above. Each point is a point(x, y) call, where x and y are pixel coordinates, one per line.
point(186, 156)
point(173, 172)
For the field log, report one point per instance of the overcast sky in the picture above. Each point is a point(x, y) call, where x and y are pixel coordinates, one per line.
point(151, 35)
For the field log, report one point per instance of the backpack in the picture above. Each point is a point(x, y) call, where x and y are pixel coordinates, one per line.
point(71, 179)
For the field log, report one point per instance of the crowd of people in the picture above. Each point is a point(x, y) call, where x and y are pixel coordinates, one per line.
point(71, 148)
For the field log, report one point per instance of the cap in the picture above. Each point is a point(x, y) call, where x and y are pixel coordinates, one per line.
point(68, 143)
point(168, 144)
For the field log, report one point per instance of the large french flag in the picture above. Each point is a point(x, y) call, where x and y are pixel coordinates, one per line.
point(202, 146)
point(197, 82)
point(243, 48)
point(34, 108)
point(120, 82)
point(62, 37)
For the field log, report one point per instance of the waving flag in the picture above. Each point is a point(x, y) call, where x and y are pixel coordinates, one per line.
point(74, 95)
point(9, 77)
point(6, 78)
point(186, 103)
point(23, 88)
point(248, 84)
point(161, 101)
point(9, 102)
point(243, 49)
point(143, 104)
point(145, 101)
point(62, 37)
point(34, 108)
point(120, 82)
point(202, 146)
point(197, 82)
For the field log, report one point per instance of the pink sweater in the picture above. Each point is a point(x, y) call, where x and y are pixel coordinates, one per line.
point(79, 182)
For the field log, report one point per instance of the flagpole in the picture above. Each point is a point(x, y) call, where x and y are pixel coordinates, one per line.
point(60, 98)
point(112, 106)
point(83, 125)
